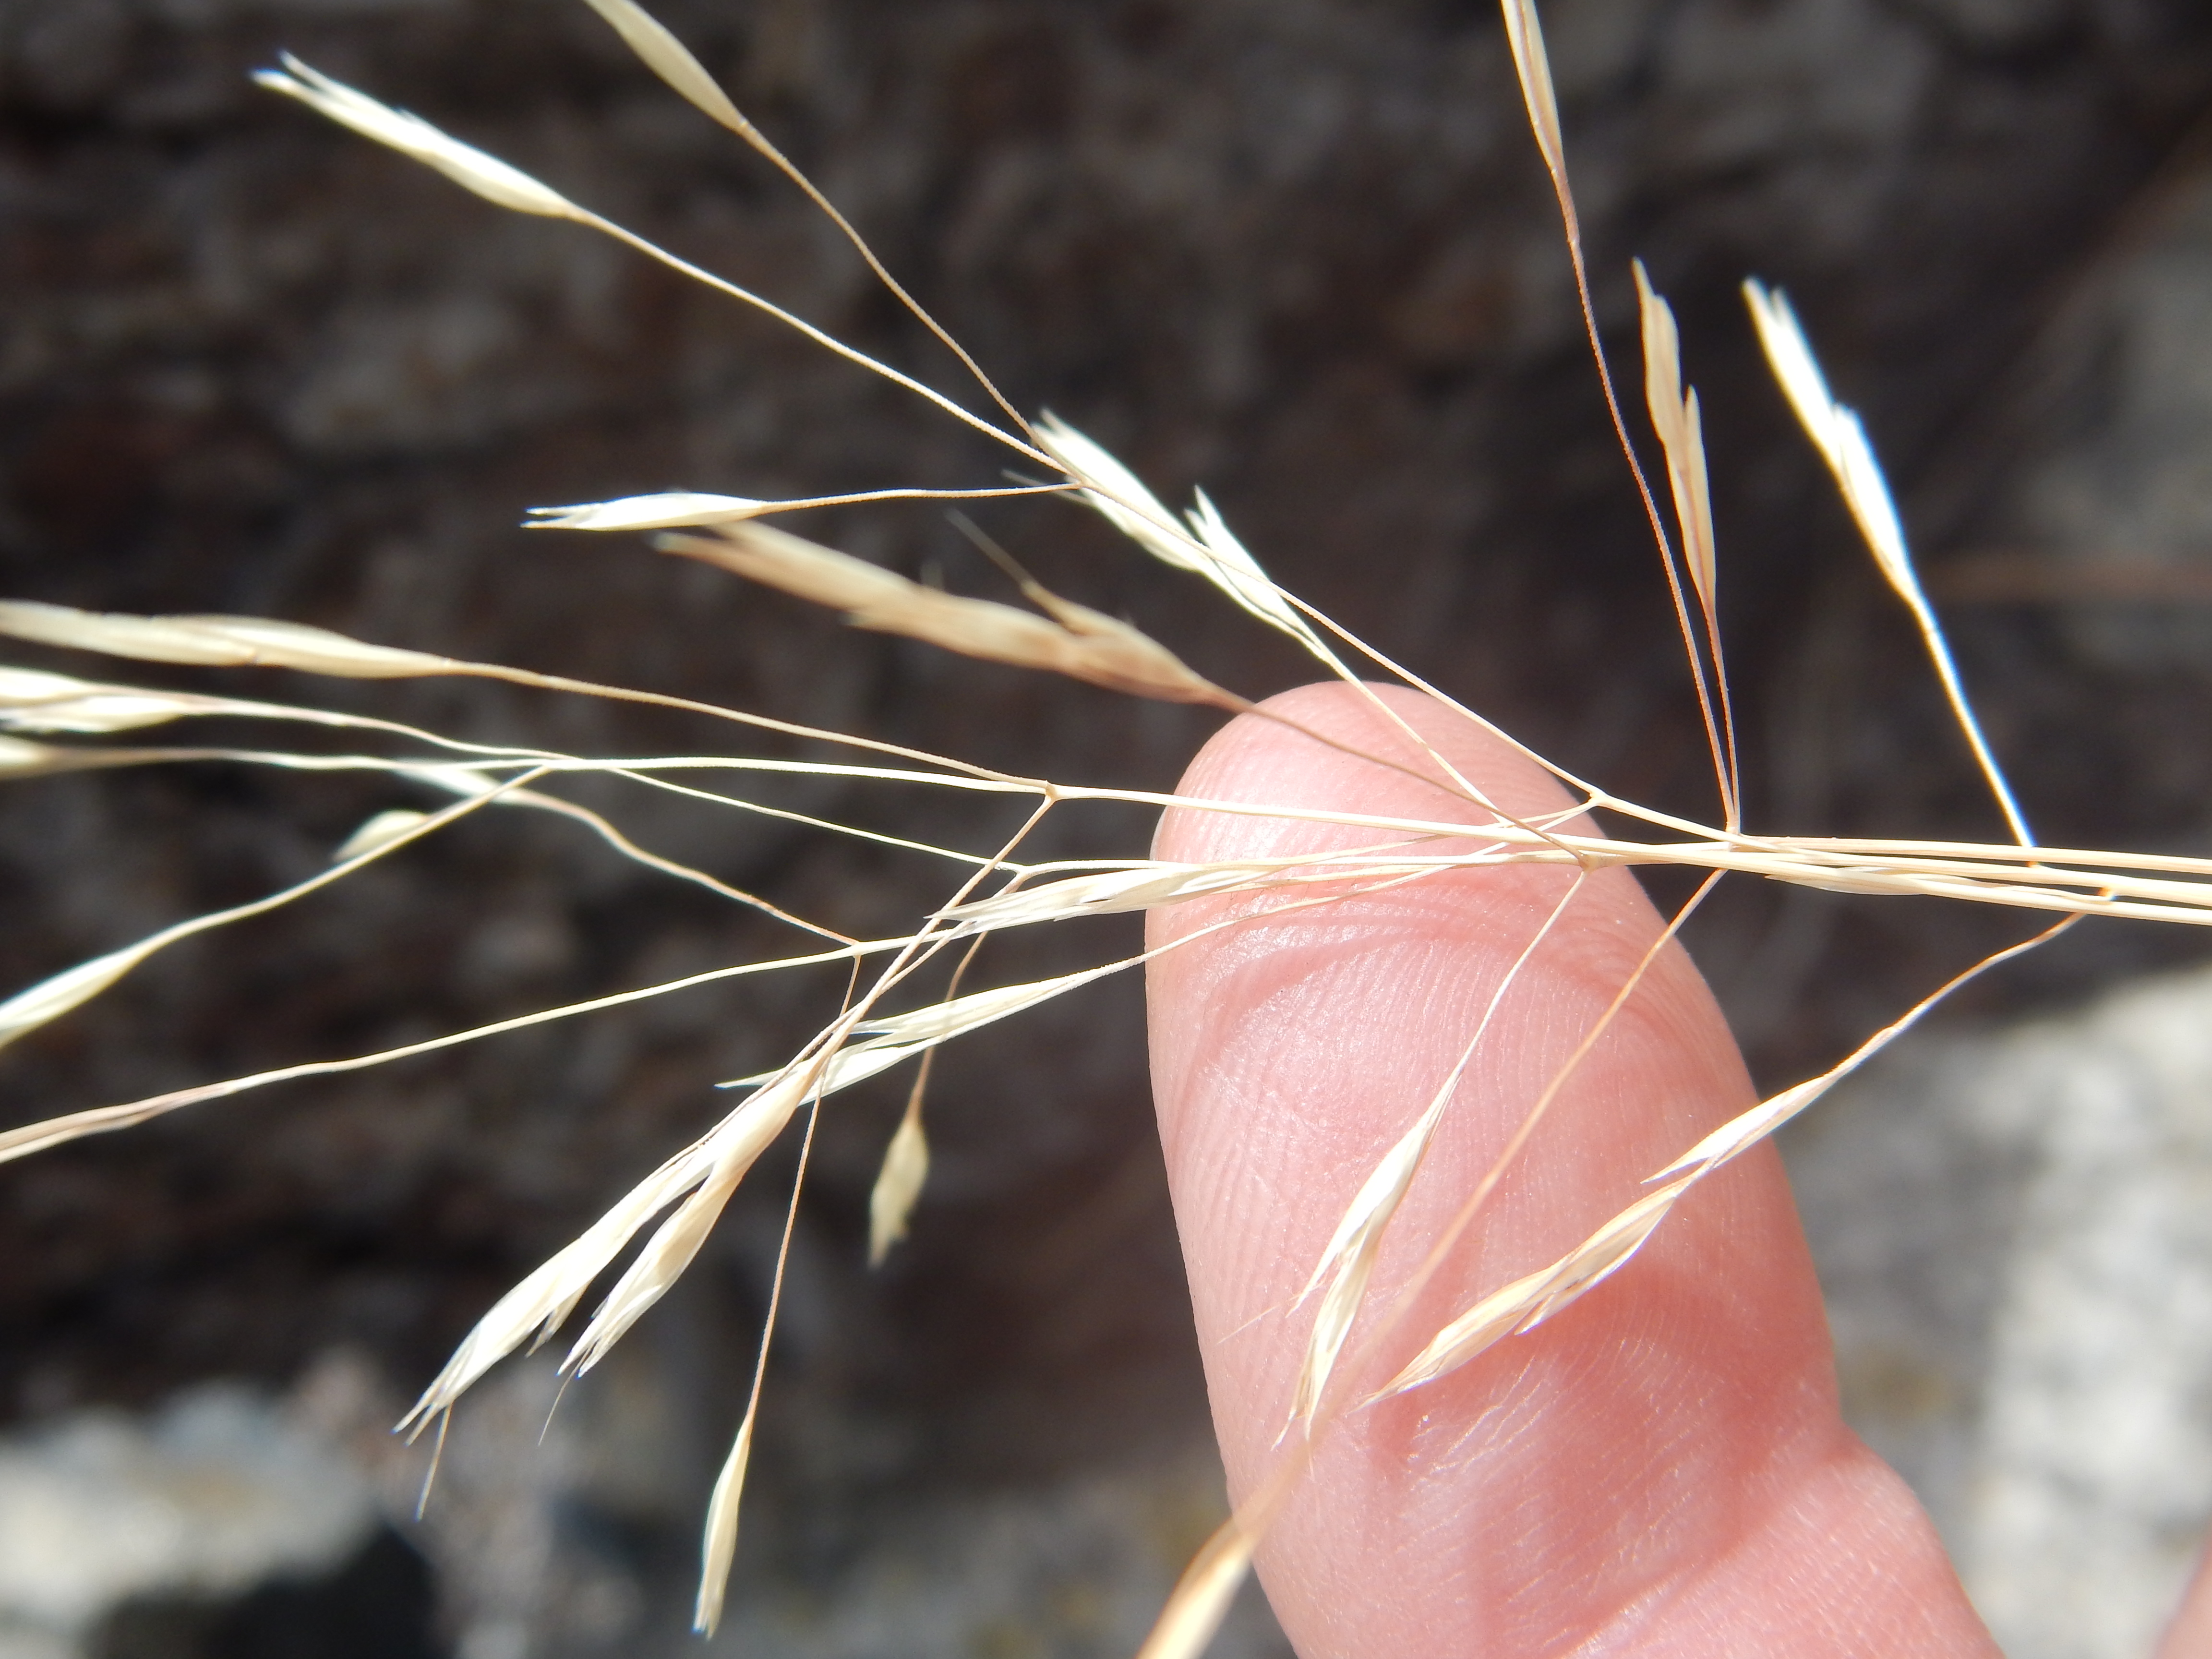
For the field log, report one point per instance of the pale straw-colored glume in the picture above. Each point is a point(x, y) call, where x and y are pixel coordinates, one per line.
point(673, 1209)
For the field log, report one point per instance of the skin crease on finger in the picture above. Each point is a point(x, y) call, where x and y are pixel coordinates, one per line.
point(1659, 1469)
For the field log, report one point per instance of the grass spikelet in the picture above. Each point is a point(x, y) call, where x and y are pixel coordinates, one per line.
point(1348, 1261)
point(509, 187)
point(684, 509)
point(1527, 1303)
point(670, 60)
point(1532, 66)
point(718, 1546)
point(1072, 640)
point(19, 758)
point(899, 1183)
point(1674, 418)
point(676, 1241)
point(52, 998)
point(31, 701)
point(22, 1142)
point(1113, 892)
point(377, 832)
point(1837, 433)
point(1200, 1598)
point(898, 1037)
point(671, 510)
point(411, 135)
point(215, 641)
point(1532, 63)
point(538, 1305)
point(1202, 543)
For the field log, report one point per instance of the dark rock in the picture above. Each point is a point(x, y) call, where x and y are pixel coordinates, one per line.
point(376, 1605)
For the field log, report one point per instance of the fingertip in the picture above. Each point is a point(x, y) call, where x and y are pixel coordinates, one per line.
point(1620, 1455)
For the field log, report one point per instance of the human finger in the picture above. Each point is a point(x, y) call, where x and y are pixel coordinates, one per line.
point(1659, 1468)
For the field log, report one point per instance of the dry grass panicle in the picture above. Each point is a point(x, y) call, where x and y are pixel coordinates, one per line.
point(53, 721)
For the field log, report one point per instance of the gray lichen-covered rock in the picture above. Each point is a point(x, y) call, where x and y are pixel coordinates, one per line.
point(216, 1494)
point(2015, 1235)
point(154, 1536)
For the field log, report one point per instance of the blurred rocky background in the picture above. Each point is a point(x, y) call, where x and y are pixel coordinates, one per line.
point(2014, 1231)
point(1296, 251)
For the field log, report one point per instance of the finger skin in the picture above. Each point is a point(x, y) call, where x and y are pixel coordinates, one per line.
point(2190, 1635)
point(1659, 1469)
